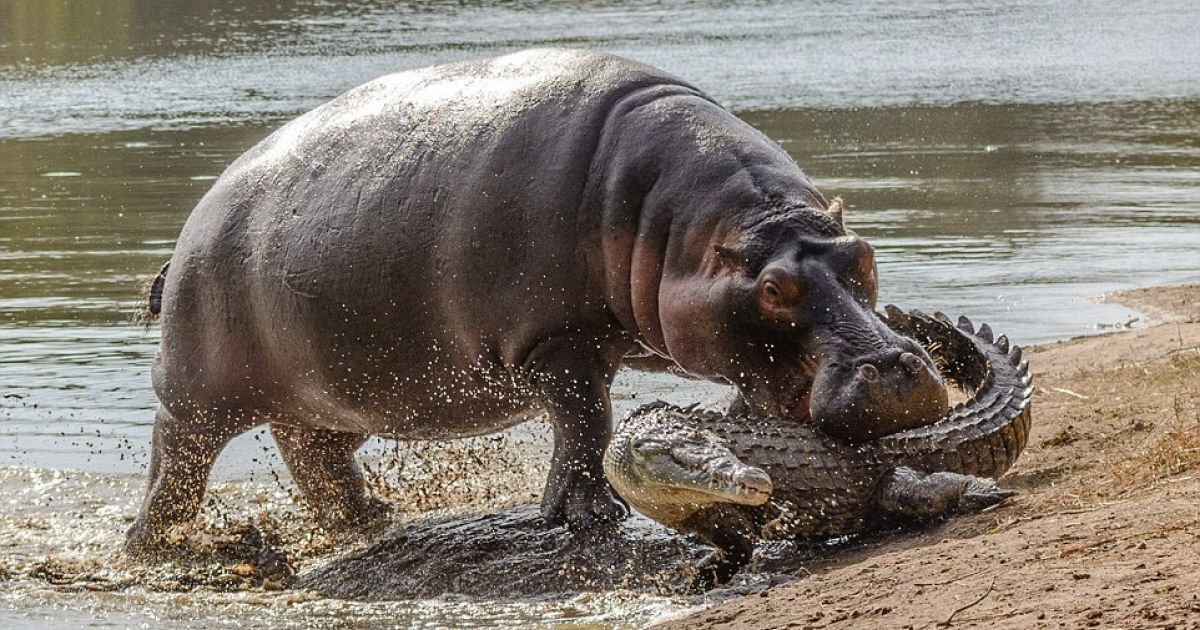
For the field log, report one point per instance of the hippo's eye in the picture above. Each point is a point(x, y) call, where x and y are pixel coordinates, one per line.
point(772, 290)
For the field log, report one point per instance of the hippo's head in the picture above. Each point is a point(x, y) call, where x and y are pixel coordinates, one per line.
point(790, 307)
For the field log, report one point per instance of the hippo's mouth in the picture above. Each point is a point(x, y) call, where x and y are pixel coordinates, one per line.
point(785, 393)
point(796, 401)
point(853, 395)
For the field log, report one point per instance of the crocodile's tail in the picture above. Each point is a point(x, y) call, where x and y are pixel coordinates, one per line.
point(151, 302)
point(986, 434)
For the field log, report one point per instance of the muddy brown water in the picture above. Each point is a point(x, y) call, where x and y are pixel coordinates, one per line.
point(1011, 160)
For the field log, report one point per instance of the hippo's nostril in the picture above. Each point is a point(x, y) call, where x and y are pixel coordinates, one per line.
point(868, 372)
point(912, 362)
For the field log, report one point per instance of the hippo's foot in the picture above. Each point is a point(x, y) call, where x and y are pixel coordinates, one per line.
point(144, 542)
point(581, 503)
point(331, 481)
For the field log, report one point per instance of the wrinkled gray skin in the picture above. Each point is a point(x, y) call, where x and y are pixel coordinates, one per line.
point(689, 469)
point(447, 251)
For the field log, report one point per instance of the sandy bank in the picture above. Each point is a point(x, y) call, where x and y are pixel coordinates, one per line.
point(1105, 531)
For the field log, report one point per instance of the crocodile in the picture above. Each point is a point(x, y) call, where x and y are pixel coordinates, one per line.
point(734, 478)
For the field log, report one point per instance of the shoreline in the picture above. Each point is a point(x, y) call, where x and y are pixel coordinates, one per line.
point(1105, 530)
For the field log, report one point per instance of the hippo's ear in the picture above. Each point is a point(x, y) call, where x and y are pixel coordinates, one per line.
point(836, 210)
point(778, 294)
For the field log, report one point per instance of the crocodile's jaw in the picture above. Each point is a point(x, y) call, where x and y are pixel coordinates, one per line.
point(672, 476)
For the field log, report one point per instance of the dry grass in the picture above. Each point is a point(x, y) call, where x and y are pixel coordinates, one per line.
point(1065, 435)
point(1173, 449)
point(1169, 455)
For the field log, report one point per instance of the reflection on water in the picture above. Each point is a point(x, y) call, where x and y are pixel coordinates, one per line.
point(1010, 160)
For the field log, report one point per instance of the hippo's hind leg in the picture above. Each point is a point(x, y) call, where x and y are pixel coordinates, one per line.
point(323, 466)
point(182, 454)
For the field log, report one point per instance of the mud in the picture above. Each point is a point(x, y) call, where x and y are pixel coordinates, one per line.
point(512, 555)
point(61, 534)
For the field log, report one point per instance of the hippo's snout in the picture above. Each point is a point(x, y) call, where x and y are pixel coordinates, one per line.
point(877, 394)
point(898, 360)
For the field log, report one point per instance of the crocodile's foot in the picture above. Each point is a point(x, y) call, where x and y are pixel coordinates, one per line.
point(922, 496)
point(981, 493)
point(714, 570)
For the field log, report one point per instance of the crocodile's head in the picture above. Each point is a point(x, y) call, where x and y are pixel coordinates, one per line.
point(670, 473)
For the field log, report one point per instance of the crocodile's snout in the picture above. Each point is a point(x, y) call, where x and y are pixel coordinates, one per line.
point(756, 483)
point(670, 474)
point(698, 466)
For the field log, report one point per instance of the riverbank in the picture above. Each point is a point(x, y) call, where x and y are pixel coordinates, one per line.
point(1104, 533)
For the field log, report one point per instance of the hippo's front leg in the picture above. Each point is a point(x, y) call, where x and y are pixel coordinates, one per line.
point(573, 376)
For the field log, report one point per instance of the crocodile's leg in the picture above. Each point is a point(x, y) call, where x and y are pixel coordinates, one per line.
point(732, 532)
point(906, 492)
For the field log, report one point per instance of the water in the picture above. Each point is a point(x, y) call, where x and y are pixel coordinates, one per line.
point(1010, 160)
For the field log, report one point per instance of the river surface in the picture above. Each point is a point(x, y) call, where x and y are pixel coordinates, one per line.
point(1009, 160)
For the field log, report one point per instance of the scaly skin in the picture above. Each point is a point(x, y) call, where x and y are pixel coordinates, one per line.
point(823, 487)
point(666, 470)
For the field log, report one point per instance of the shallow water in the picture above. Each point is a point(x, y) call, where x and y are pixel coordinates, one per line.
point(1008, 160)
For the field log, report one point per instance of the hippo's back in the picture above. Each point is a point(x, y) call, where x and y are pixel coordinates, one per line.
point(402, 222)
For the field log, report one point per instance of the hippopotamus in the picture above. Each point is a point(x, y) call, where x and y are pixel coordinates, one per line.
point(453, 250)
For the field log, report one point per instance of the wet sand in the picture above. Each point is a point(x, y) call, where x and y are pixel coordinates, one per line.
point(1104, 533)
